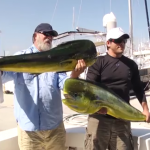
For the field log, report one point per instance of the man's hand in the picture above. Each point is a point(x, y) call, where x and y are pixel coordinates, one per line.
point(146, 111)
point(80, 67)
point(103, 111)
point(147, 114)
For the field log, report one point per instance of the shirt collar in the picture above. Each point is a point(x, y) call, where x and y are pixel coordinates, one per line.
point(34, 49)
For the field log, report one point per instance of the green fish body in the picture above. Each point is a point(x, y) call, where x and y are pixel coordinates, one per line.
point(88, 98)
point(62, 58)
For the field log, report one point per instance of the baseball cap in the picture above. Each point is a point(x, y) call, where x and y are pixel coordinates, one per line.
point(45, 27)
point(116, 33)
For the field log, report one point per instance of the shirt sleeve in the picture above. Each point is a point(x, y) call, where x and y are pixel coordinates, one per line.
point(61, 80)
point(93, 73)
point(7, 76)
point(137, 85)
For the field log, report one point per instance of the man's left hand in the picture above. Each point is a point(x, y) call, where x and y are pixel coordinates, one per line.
point(147, 114)
point(80, 67)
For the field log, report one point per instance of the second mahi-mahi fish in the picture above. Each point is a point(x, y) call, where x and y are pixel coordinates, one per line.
point(88, 98)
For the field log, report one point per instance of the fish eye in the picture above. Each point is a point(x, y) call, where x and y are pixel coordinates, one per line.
point(66, 95)
point(75, 94)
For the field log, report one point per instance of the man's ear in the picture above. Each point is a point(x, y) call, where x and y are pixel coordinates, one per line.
point(33, 37)
point(108, 44)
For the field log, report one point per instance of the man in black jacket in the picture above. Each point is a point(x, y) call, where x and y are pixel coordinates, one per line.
point(118, 73)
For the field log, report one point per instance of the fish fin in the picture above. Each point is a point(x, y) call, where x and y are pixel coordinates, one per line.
point(67, 62)
point(61, 71)
point(36, 74)
point(104, 87)
point(62, 43)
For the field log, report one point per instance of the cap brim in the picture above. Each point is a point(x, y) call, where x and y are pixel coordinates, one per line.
point(54, 33)
point(125, 36)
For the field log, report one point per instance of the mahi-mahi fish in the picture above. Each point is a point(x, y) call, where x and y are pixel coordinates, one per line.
point(87, 97)
point(61, 58)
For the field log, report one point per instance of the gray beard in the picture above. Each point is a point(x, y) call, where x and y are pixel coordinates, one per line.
point(44, 46)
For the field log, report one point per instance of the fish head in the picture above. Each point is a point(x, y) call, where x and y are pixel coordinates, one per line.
point(81, 104)
point(76, 101)
point(78, 97)
point(75, 96)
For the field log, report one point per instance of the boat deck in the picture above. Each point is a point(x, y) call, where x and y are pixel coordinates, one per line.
point(74, 124)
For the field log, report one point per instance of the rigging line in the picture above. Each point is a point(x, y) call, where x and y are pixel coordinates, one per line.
point(139, 11)
point(147, 17)
point(73, 20)
point(79, 11)
point(138, 2)
point(110, 5)
point(138, 8)
point(54, 11)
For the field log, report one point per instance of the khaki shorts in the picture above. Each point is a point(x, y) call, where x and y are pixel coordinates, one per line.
point(108, 133)
point(42, 140)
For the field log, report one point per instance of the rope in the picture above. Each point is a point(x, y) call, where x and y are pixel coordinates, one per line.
point(147, 85)
point(70, 119)
point(54, 11)
point(79, 11)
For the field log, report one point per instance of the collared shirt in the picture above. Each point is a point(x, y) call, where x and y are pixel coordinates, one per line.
point(37, 98)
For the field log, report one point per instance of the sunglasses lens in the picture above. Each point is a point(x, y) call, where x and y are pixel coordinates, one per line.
point(47, 34)
point(117, 41)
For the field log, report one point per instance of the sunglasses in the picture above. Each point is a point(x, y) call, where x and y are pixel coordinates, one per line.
point(46, 33)
point(118, 41)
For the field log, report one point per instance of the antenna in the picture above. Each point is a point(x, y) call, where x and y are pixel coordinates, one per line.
point(54, 11)
point(73, 21)
point(110, 5)
point(1, 87)
point(79, 11)
point(130, 27)
point(147, 18)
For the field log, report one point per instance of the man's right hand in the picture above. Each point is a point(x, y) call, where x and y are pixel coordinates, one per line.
point(103, 111)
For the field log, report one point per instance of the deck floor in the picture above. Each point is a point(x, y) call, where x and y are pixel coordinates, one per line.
point(7, 119)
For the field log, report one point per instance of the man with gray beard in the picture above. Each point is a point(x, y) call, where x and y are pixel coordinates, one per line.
point(44, 35)
point(37, 99)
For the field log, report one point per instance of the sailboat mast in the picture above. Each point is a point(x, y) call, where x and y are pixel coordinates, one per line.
point(130, 28)
point(147, 18)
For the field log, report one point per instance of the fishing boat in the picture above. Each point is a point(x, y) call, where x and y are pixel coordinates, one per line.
point(140, 56)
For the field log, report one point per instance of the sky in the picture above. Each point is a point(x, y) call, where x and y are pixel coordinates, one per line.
point(18, 19)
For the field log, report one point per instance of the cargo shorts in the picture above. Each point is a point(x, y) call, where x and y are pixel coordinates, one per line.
point(104, 133)
point(42, 140)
